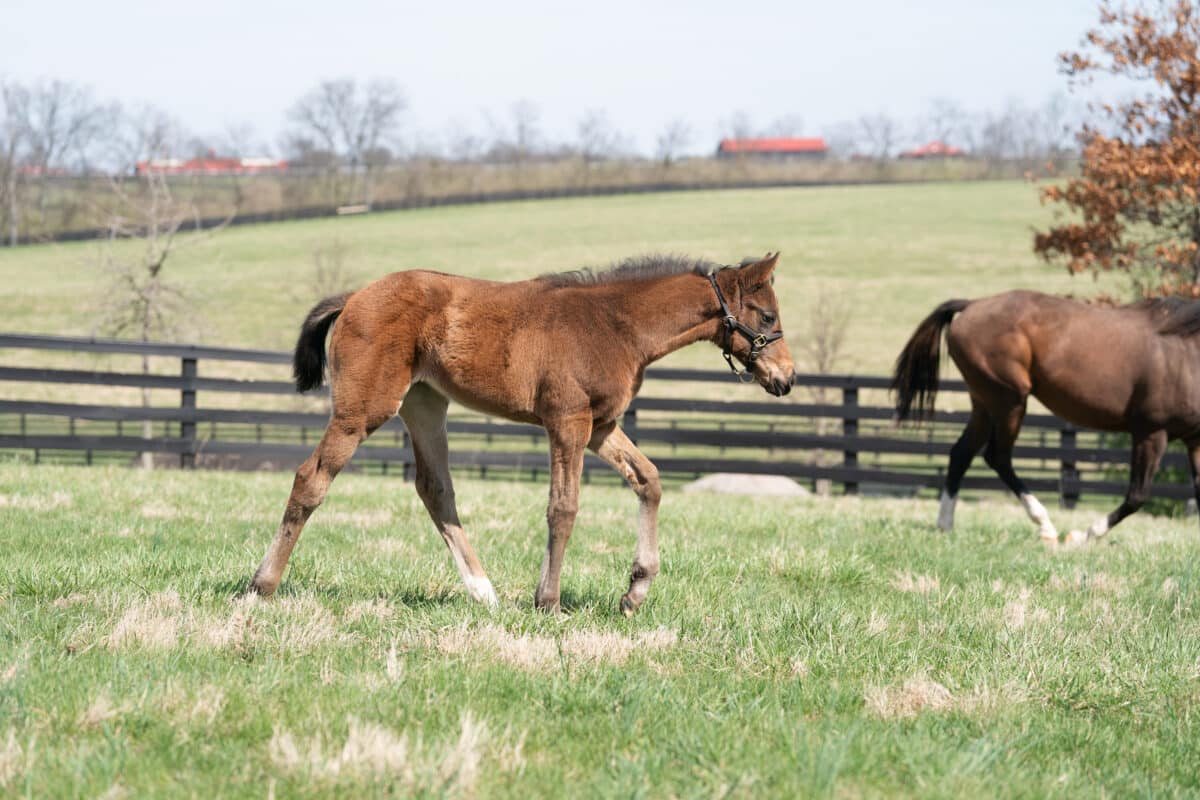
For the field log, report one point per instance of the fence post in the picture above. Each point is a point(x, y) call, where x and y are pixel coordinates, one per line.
point(850, 428)
point(187, 405)
point(629, 423)
point(1068, 481)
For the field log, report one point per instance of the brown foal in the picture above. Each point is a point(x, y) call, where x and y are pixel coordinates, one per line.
point(1133, 369)
point(565, 351)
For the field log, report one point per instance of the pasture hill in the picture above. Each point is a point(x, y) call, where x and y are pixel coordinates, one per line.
point(791, 646)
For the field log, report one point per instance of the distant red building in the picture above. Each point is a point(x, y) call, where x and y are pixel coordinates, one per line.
point(814, 148)
point(210, 165)
point(934, 149)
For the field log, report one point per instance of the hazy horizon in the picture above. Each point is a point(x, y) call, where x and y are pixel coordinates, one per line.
point(463, 67)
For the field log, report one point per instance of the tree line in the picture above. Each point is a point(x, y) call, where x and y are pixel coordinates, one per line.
point(345, 132)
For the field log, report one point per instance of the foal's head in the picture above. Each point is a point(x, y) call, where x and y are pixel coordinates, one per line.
point(757, 340)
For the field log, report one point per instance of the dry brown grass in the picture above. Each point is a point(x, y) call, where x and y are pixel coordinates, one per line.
point(373, 750)
point(536, 653)
point(921, 693)
point(152, 623)
point(16, 759)
point(101, 711)
point(915, 584)
point(1098, 582)
point(36, 502)
point(377, 609)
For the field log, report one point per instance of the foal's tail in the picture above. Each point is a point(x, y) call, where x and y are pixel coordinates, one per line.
point(308, 362)
point(916, 376)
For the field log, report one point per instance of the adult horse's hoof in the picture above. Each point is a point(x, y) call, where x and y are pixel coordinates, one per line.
point(627, 606)
point(1076, 538)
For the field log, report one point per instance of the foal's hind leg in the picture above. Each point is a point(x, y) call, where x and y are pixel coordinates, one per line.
point(1148, 451)
point(312, 481)
point(998, 455)
point(611, 444)
point(973, 438)
point(424, 413)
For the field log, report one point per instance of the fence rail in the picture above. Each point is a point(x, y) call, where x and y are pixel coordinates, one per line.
point(852, 442)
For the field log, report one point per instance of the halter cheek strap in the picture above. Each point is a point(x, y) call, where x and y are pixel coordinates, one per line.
point(758, 341)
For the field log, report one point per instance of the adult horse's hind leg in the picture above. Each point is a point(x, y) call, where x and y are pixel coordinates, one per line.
point(424, 414)
point(973, 438)
point(1148, 451)
point(1193, 447)
point(998, 455)
point(611, 444)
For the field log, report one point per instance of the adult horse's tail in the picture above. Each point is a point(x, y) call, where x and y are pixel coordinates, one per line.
point(915, 381)
point(308, 362)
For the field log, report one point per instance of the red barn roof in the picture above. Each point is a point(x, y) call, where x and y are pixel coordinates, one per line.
point(813, 145)
point(934, 149)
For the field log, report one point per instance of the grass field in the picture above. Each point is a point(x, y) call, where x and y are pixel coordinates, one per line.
point(796, 647)
point(897, 251)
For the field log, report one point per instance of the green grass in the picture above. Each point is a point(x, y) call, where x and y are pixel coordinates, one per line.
point(896, 251)
point(797, 647)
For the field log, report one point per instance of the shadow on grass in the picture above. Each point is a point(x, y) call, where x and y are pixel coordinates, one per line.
point(411, 597)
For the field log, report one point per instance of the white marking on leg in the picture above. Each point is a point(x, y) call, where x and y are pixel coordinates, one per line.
point(1037, 512)
point(1097, 529)
point(480, 589)
point(946, 512)
point(478, 586)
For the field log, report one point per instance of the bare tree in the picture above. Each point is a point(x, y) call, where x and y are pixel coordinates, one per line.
point(354, 123)
point(842, 139)
point(12, 150)
point(822, 351)
point(879, 133)
point(526, 135)
point(598, 139)
point(63, 123)
point(789, 126)
point(737, 126)
point(676, 135)
point(947, 121)
point(462, 143)
point(144, 221)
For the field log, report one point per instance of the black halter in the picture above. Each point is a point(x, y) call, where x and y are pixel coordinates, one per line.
point(758, 341)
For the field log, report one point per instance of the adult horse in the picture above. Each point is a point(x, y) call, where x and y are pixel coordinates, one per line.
point(1134, 369)
point(564, 351)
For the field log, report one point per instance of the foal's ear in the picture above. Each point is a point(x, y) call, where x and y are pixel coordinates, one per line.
point(759, 272)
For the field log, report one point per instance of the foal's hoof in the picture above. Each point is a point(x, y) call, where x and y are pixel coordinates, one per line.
point(627, 606)
point(256, 589)
point(1076, 538)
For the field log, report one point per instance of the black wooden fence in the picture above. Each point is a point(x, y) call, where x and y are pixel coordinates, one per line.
point(825, 431)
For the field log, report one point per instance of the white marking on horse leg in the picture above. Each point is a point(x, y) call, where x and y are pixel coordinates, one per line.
point(477, 585)
point(480, 589)
point(946, 512)
point(1037, 512)
point(1097, 529)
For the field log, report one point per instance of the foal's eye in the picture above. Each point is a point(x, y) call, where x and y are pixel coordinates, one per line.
point(768, 318)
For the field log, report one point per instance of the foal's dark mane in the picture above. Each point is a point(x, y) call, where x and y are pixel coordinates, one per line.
point(638, 268)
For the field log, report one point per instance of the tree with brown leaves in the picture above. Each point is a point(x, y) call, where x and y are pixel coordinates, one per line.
point(1136, 203)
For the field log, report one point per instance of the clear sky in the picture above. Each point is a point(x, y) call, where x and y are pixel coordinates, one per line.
point(227, 62)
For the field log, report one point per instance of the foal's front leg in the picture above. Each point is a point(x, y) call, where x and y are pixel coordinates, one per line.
point(611, 444)
point(567, 440)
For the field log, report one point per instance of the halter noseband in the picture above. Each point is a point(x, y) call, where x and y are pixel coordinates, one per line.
point(758, 341)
